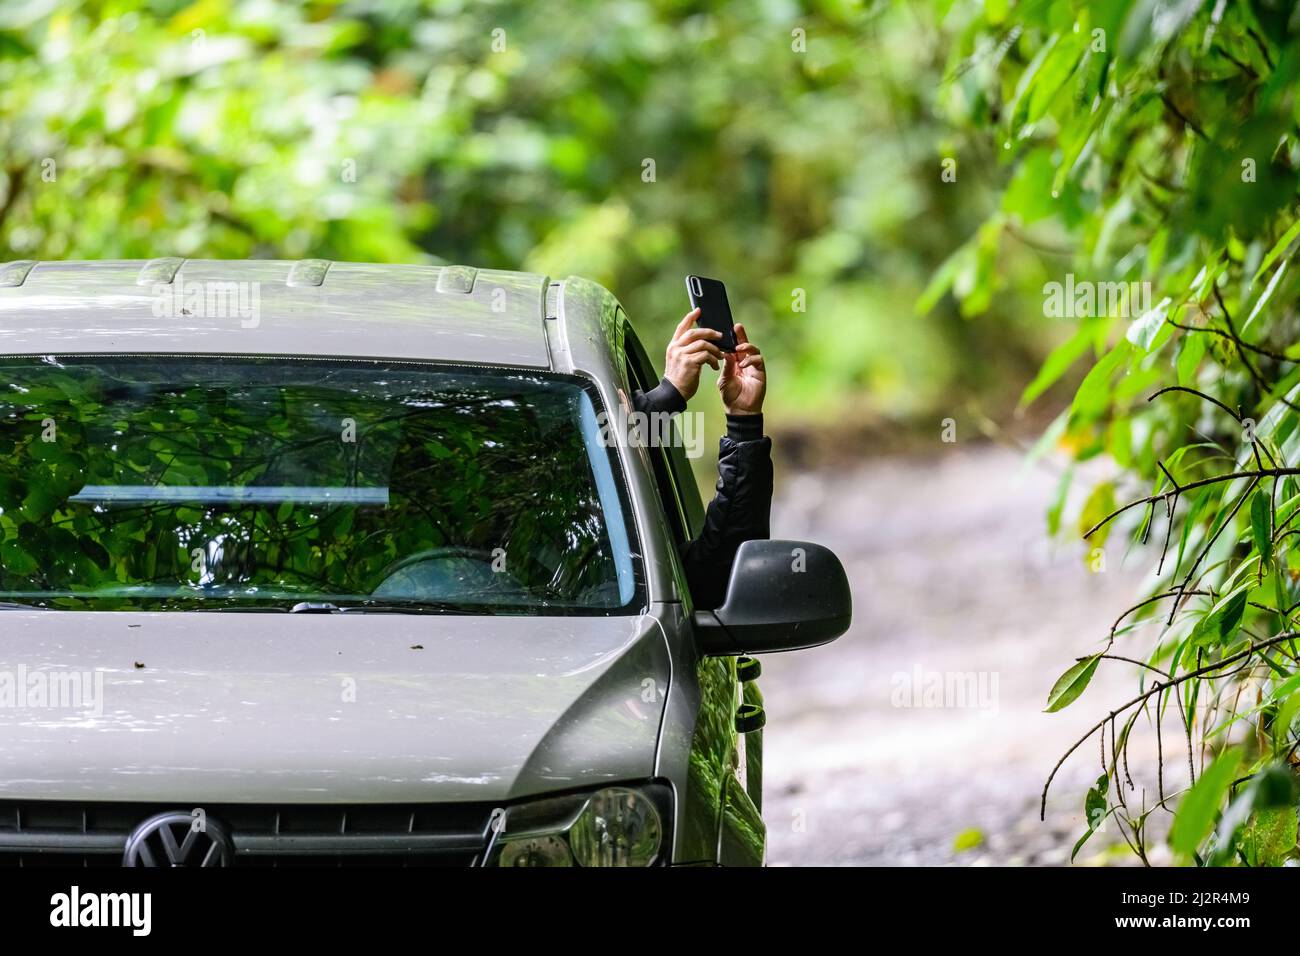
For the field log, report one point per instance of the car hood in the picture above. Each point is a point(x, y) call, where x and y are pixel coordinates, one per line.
point(366, 708)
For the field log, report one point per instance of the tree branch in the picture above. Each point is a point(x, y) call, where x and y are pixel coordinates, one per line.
point(1199, 483)
point(1157, 689)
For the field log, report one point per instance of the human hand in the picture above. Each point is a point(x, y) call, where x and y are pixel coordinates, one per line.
point(743, 382)
point(688, 352)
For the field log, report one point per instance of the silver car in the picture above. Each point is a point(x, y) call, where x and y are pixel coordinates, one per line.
point(329, 562)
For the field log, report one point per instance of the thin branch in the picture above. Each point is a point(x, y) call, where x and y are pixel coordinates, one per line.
point(1260, 383)
point(1151, 600)
point(1172, 480)
point(1189, 123)
point(1199, 483)
point(1037, 244)
point(1129, 660)
point(1156, 689)
point(1199, 394)
point(1263, 47)
point(1257, 349)
point(1185, 719)
point(1243, 67)
point(1160, 754)
point(1182, 589)
point(1170, 507)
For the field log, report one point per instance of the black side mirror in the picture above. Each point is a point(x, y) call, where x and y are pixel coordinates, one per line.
point(782, 596)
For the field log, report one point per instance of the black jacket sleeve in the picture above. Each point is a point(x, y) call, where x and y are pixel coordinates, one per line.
point(740, 511)
point(664, 397)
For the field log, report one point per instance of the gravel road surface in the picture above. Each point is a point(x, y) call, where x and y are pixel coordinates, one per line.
point(956, 589)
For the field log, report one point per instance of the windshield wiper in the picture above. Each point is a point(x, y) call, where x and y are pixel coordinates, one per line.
point(243, 608)
point(409, 607)
point(314, 607)
point(377, 607)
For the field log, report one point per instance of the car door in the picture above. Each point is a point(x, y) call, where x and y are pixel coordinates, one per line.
point(721, 757)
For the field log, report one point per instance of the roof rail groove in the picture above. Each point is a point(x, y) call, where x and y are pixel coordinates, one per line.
point(456, 279)
point(160, 271)
point(308, 272)
point(13, 274)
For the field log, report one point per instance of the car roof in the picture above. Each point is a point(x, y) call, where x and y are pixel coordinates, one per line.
point(312, 307)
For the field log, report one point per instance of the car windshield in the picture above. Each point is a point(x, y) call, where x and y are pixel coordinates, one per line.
point(167, 483)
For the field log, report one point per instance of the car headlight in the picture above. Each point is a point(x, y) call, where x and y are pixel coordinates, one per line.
point(614, 826)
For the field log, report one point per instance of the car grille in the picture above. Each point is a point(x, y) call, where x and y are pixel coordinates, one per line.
point(57, 833)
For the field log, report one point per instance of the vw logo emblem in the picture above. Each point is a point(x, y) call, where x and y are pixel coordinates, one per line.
point(177, 838)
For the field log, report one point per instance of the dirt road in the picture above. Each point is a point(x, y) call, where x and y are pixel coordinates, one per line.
point(925, 720)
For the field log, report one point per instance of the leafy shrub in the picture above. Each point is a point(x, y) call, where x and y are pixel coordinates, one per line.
point(1158, 143)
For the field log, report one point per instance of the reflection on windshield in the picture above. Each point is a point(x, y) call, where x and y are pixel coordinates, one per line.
point(178, 483)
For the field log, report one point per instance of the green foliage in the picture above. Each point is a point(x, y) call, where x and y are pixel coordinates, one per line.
point(1200, 805)
point(1094, 812)
point(1071, 684)
point(1159, 144)
point(1259, 826)
point(516, 135)
point(969, 839)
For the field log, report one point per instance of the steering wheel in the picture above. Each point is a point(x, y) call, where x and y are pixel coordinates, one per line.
point(442, 573)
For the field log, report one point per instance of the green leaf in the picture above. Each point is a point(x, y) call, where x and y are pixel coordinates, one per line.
point(968, 840)
point(1270, 836)
point(1286, 714)
point(1094, 804)
point(1058, 363)
point(1261, 525)
point(1029, 194)
point(1189, 522)
point(1265, 296)
point(1019, 111)
point(1142, 331)
point(960, 262)
point(1078, 845)
point(1058, 501)
point(1056, 70)
point(1278, 249)
point(1221, 624)
point(1045, 443)
point(1200, 805)
point(1099, 504)
point(1094, 811)
point(1071, 684)
point(1189, 358)
point(16, 560)
point(1094, 394)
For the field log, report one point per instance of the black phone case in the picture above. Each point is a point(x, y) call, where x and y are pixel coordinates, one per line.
point(715, 311)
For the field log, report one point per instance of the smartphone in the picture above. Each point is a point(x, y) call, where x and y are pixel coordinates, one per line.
point(710, 297)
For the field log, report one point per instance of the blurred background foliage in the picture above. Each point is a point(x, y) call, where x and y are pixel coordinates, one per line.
point(797, 154)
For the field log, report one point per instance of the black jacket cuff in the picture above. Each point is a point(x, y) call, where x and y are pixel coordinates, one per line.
point(664, 397)
point(745, 427)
